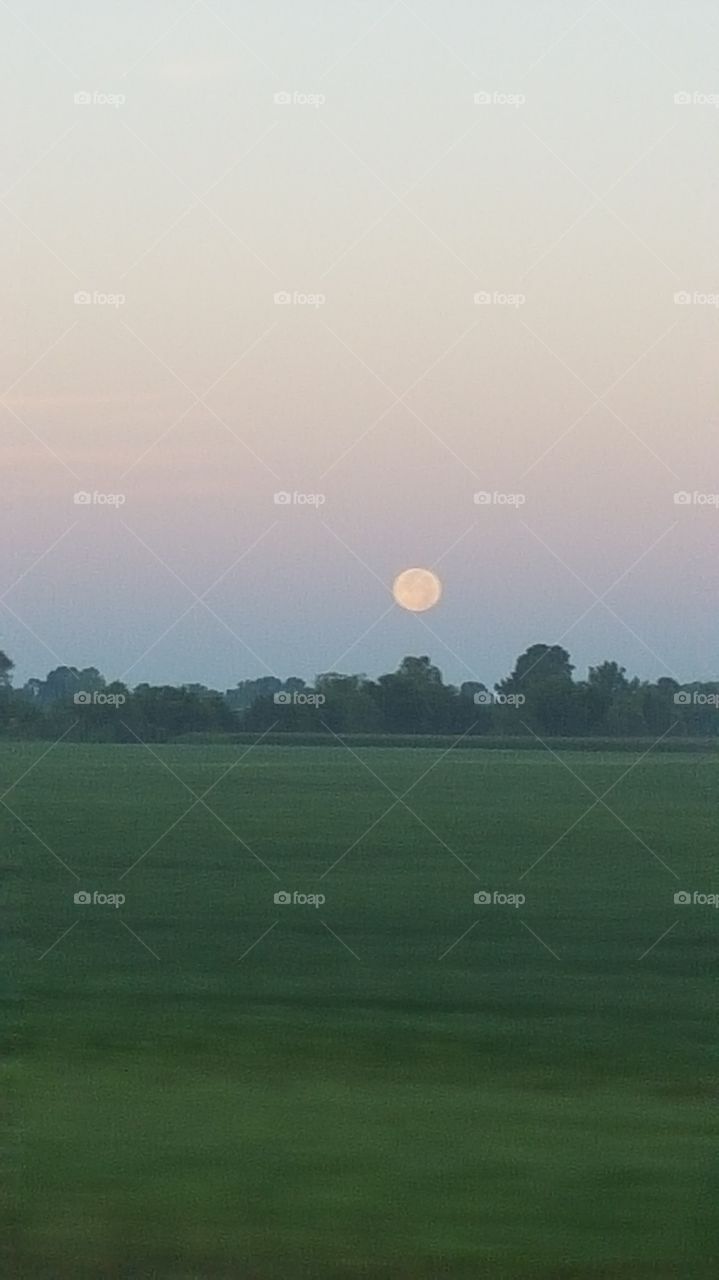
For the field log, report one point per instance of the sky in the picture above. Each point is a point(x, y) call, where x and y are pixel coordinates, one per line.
point(377, 258)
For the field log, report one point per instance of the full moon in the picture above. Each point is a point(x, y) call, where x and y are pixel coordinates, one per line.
point(417, 590)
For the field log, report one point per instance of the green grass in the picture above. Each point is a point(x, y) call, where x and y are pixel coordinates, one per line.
point(355, 1096)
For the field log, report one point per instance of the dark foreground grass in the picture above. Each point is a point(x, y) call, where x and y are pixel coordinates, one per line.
point(397, 1084)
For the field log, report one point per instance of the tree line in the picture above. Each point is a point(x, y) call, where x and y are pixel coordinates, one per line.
point(540, 695)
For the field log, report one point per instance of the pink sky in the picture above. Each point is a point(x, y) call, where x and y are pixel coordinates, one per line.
point(394, 201)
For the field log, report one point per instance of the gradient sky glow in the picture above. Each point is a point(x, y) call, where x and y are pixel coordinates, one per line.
point(199, 198)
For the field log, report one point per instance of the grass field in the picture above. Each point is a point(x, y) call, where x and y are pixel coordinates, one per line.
point(203, 1083)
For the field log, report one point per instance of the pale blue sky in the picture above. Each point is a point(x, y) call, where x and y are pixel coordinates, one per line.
point(197, 198)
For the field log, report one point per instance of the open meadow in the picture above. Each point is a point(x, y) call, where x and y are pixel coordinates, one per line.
point(380, 1078)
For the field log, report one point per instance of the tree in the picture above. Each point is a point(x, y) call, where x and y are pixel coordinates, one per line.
point(163, 710)
point(248, 691)
point(6, 669)
point(414, 700)
point(542, 677)
point(540, 693)
point(59, 684)
point(349, 703)
point(538, 663)
point(605, 685)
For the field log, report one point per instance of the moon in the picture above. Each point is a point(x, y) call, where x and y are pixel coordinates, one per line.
point(417, 590)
